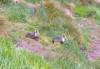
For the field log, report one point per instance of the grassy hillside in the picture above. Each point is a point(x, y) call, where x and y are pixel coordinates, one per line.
point(50, 21)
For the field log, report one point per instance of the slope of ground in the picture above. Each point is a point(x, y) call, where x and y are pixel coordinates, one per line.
point(93, 52)
point(65, 56)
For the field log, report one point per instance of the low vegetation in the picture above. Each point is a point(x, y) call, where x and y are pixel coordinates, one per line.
point(50, 22)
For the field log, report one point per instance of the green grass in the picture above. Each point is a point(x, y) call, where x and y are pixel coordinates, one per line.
point(97, 16)
point(17, 13)
point(69, 46)
point(5, 1)
point(83, 11)
point(12, 58)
